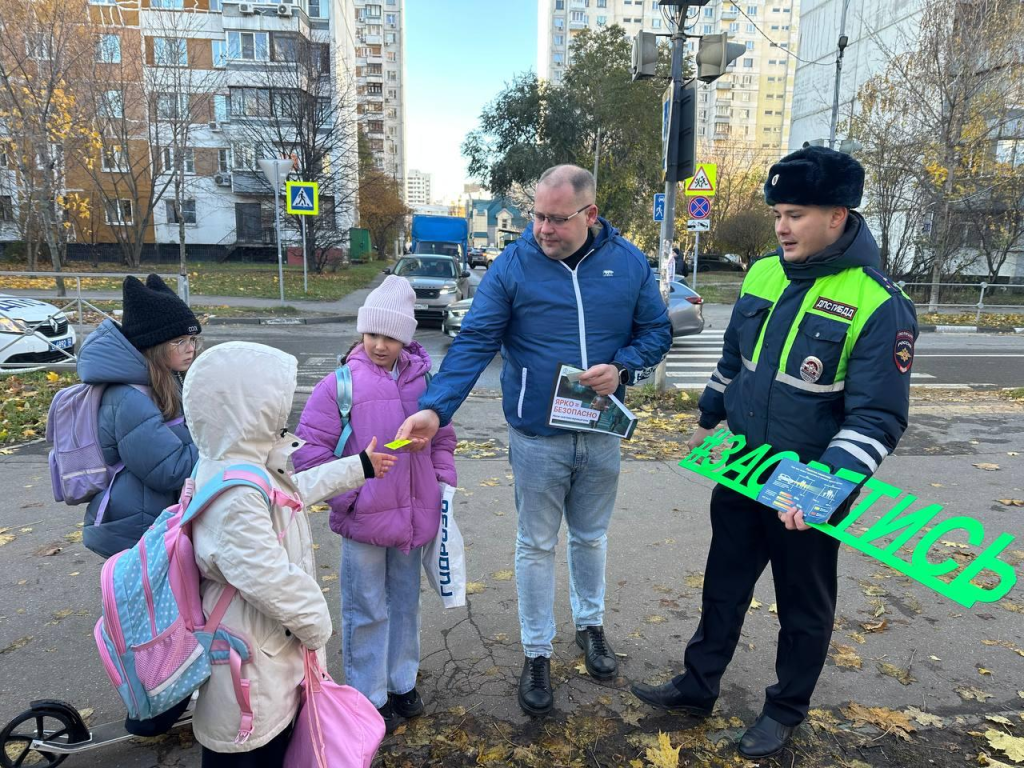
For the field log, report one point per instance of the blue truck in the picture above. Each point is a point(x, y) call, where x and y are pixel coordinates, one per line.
point(441, 235)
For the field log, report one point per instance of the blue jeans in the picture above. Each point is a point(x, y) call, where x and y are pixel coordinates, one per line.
point(575, 474)
point(380, 614)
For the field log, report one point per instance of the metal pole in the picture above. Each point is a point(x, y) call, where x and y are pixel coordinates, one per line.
point(305, 270)
point(597, 152)
point(839, 77)
point(669, 222)
point(696, 256)
point(277, 227)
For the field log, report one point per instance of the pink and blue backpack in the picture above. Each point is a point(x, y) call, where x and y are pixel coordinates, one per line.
point(155, 642)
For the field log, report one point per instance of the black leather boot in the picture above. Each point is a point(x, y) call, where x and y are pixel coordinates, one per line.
point(407, 704)
point(597, 654)
point(766, 737)
point(668, 698)
point(535, 696)
point(390, 718)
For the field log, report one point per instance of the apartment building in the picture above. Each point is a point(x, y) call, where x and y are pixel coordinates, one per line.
point(186, 100)
point(748, 107)
point(417, 188)
point(872, 26)
point(380, 79)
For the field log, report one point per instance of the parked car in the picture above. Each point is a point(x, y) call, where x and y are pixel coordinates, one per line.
point(490, 254)
point(452, 323)
point(437, 280)
point(477, 258)
point(33, 333)
point(685, 310)
point(717, 262)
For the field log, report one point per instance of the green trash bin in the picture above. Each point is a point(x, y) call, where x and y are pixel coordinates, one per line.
point(359, 249)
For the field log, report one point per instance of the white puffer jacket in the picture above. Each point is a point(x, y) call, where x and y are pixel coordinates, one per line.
point(237, 399)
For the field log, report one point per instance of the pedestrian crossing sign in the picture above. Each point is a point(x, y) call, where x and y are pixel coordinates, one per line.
point(302, 198)
point(704, 182)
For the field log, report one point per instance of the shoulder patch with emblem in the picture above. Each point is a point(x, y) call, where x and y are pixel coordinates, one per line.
point(837, 308)
point(903, 351)
point(882, 280)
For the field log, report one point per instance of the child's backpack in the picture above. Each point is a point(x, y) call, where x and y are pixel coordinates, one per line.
point(77, 469)
point(155, 643)
point(343, 375)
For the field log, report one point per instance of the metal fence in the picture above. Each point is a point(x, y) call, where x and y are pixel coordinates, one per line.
point(50, 342)
point(982, 297)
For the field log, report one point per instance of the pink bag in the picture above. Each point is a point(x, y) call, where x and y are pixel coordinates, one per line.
point(337, 726)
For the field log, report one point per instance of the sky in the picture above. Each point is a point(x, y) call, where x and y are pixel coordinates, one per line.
point(459, 55)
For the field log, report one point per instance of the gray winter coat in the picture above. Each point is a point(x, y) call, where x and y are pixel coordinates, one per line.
point(157, 458)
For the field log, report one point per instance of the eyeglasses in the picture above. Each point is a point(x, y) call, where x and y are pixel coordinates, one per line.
point(558, 221)
point(189, 341)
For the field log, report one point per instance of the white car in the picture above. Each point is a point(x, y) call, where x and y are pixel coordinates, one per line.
point(33, 334)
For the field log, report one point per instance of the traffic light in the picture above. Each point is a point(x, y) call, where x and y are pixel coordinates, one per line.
point(850, 146)
point(645, 55)
point(715, 54)
point(680, 158)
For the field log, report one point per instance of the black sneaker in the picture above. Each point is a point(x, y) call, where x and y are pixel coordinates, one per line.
point(407, 704)
point(597, 654)
point(390, 718)
point(535, 695)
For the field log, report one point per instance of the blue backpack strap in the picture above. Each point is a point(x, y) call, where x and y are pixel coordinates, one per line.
point(343, 375)
point(222, 482)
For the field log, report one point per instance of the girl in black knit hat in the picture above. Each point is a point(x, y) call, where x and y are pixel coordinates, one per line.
point(141, 364)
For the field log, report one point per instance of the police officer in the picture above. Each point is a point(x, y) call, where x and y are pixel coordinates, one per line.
point(816, 360)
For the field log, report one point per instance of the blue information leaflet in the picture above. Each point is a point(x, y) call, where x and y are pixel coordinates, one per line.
point(817, 493)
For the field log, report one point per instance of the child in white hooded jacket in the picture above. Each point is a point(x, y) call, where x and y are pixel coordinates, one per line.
point(237, 400)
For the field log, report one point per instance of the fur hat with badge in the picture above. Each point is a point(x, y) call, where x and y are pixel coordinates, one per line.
point(389, 310)
point(815, 176)
point(153, 313)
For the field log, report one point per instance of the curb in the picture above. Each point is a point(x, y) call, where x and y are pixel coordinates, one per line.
point(967, 329)
point(280, 320)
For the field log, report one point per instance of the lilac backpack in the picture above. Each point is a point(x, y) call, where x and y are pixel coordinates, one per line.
point(155, 642)
point(77, 469)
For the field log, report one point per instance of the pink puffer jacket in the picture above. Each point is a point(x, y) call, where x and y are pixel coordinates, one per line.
point(402, 509)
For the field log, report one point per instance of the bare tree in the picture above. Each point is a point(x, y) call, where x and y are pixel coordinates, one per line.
point(305, 110)
point(741, 174)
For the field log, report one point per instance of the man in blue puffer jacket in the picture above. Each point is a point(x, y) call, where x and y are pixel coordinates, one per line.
point(570, 290)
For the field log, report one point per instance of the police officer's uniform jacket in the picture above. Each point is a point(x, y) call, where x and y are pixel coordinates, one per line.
point(817, 357)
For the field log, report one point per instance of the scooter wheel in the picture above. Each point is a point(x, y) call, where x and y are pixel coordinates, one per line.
point(17, 736)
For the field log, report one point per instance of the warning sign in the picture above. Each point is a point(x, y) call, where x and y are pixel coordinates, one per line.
point(302, 198)
point(703, 182)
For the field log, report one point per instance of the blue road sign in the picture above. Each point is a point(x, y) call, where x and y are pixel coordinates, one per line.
point(700, 208)
point(302, 198)
point(659, 206)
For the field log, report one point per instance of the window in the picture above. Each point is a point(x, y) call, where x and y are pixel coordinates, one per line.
point(577, 16)
point(392, 93)
point(171, 106)
point(188, 211)
point(392, 56)
point(286, 48)
point(316, 10)
point(169, 52)
point(118, 211)
point(102, 2)
point(284, 103)
point(250, 102)
point(751, 29)
point(221, 108)
point(220, 53)
point(751, 10)
point(223, 160)
point(559, 59)
point(734, 27)
point(111, 104)
point(559, 23)
point(559, 5)
point(38, 47)
point(750, 45)
point(108, 49)
point(392, 76)
point(6, 208)
point(391, 19)
point(4, 160)
point(243, 157)
point(655, 23)
point(168, 164)
point(177, 4)
point(602, 3)
point(748, 63)
point(375, 89)
point(113, 159)
point(372, 11)
point(709, 12)
point(323, 109)
point(216, 5)
point(390, 38)
point(249, 46)
point(560, 39)
point(708, 29)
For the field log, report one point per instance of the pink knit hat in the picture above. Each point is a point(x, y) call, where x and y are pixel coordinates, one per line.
point(388, 310)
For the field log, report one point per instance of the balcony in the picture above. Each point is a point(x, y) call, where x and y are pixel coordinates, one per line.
point(249, 183)
point(723, 85)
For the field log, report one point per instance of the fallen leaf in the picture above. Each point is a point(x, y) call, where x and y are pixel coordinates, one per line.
point(875, 625)
point(1011, 746)
point(773, 608)
point(1011, 502)
point(502, 575)
point(74, 537)
point(880, 717)
point(873, 590)
point(6, 538)
point(969, 693)
point(846, 657)
point(983, 671)
point(655, 619)
point(49, 550)
point(998, 719)
point(924, 718)
point(475, 587)
point(495, 754)
point(695, 580)
point(491, 483)
point(902, 676)
point(665, 756)
point(25, 530)
point(314, 508)
point(935, 658)
point(956, 544)
point(21, 642)
point(755, 604)
point(329, 577)
point(52, 376)
point(987, 466)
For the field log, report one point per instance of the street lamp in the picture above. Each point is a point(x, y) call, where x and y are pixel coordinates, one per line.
point(276, 171)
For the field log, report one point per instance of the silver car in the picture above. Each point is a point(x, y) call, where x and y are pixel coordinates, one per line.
point(452, 322)
point(684, 310)
point(437, 281)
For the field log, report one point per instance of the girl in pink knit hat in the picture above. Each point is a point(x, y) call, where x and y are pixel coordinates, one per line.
point(386, 522)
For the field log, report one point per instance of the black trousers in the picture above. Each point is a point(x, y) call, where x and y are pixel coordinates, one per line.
point(270, 755)
point(746, 536)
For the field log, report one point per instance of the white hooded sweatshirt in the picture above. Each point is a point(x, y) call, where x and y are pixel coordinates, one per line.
point(237, 398)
